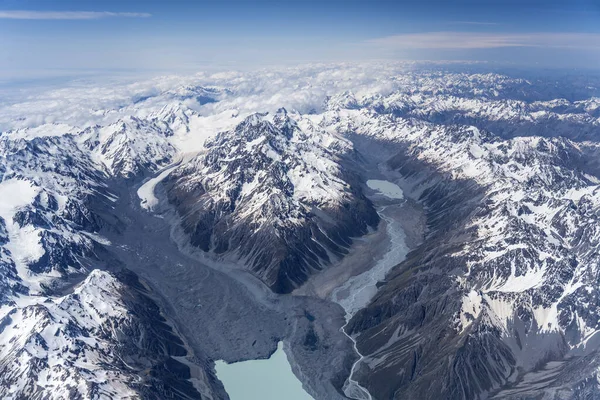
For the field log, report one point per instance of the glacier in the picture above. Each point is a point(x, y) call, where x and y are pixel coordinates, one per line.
point(405, 230)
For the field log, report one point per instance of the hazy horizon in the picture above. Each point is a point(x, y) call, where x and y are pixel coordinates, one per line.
point(40, 37)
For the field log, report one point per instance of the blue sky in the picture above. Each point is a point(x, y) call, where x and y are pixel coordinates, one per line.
point(175, 35)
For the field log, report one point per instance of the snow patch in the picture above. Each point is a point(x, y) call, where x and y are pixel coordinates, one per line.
point(14, 195)
point(470, 309)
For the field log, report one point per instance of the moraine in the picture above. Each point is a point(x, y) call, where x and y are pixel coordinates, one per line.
point(356, 293)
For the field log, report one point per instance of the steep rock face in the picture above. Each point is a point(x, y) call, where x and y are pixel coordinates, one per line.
point(10, 282)
point(510, 118)
point(132, 145)
point(273, 195)
point(106, 339)
point(505, 279)
point(506, 117)
point(47, 226)
point(500, 300)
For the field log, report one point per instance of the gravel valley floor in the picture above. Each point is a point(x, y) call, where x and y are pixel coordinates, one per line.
point(226, 313)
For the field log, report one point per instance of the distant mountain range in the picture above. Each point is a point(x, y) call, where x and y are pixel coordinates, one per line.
point(261, 176)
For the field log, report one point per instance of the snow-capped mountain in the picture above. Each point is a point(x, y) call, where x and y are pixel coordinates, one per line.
point(508, 256)
point(131, 145)
point(47, 184)
point(498, 298)
point(274, 195)
point(104, 340)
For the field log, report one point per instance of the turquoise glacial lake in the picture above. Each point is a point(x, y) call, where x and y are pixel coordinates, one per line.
point(270, 379)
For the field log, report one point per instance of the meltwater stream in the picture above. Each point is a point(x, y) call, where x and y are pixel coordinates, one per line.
point(357, 292)
point(225, 313)
point(268, 378)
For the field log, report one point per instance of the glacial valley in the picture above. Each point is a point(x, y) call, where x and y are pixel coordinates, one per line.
point(416, 233)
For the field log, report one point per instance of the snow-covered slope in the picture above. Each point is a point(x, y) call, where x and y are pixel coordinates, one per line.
point(46, 186)
point(512, 226)
point(272, 193)
point(500, 299)
point(131, 145)
point(104, 340)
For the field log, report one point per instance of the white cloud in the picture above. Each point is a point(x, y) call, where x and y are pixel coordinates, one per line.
point(88, 102)
point(61, 15)
point(482, 40)
point(103, 100)
point(473, 23)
